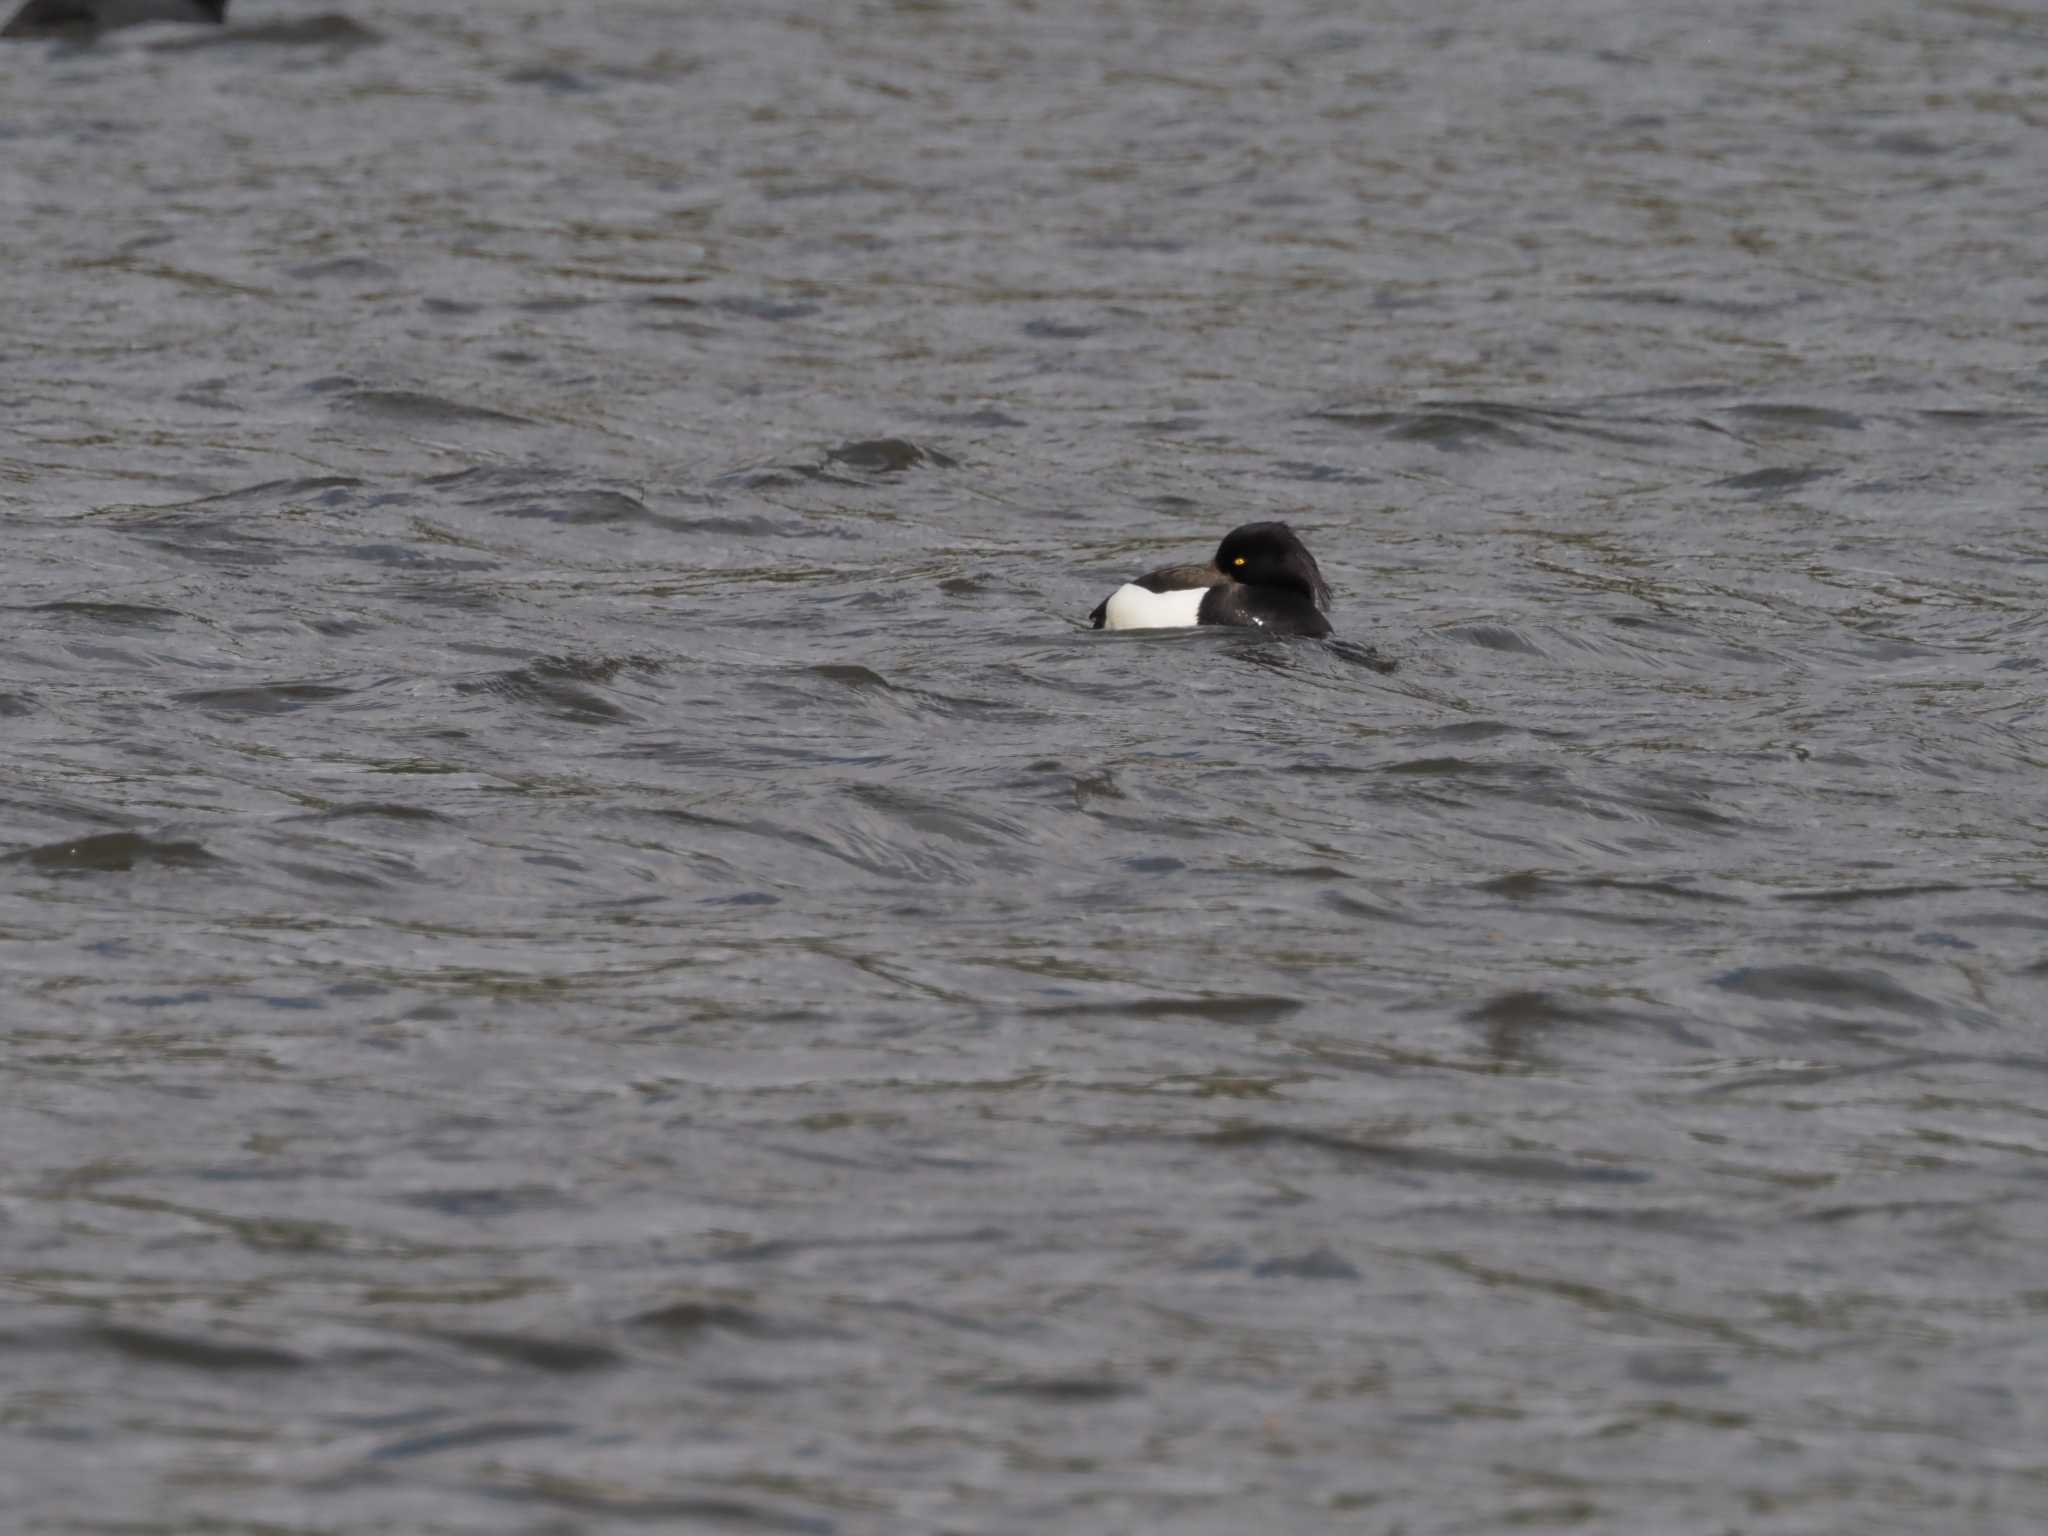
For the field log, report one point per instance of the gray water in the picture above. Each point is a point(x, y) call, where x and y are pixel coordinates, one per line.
point(591, 943)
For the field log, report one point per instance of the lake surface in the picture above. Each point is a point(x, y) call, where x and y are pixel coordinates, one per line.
point(591, 943)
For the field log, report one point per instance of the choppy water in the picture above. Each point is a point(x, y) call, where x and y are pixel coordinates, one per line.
point(589, 944)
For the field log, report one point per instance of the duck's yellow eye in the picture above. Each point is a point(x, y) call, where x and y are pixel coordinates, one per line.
point(1238, 561)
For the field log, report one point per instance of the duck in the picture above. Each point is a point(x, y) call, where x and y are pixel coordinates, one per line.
point(84, 18)
point(1263, 577)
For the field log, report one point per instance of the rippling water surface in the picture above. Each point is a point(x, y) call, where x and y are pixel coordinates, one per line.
point(591, 943)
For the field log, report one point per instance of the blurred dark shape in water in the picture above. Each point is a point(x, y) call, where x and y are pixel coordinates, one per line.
point(87, 18)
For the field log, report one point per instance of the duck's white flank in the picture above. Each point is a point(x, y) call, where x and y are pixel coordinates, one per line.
point(1132, 607)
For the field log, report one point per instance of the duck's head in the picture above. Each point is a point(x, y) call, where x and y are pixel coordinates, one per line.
point(1270, 555)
